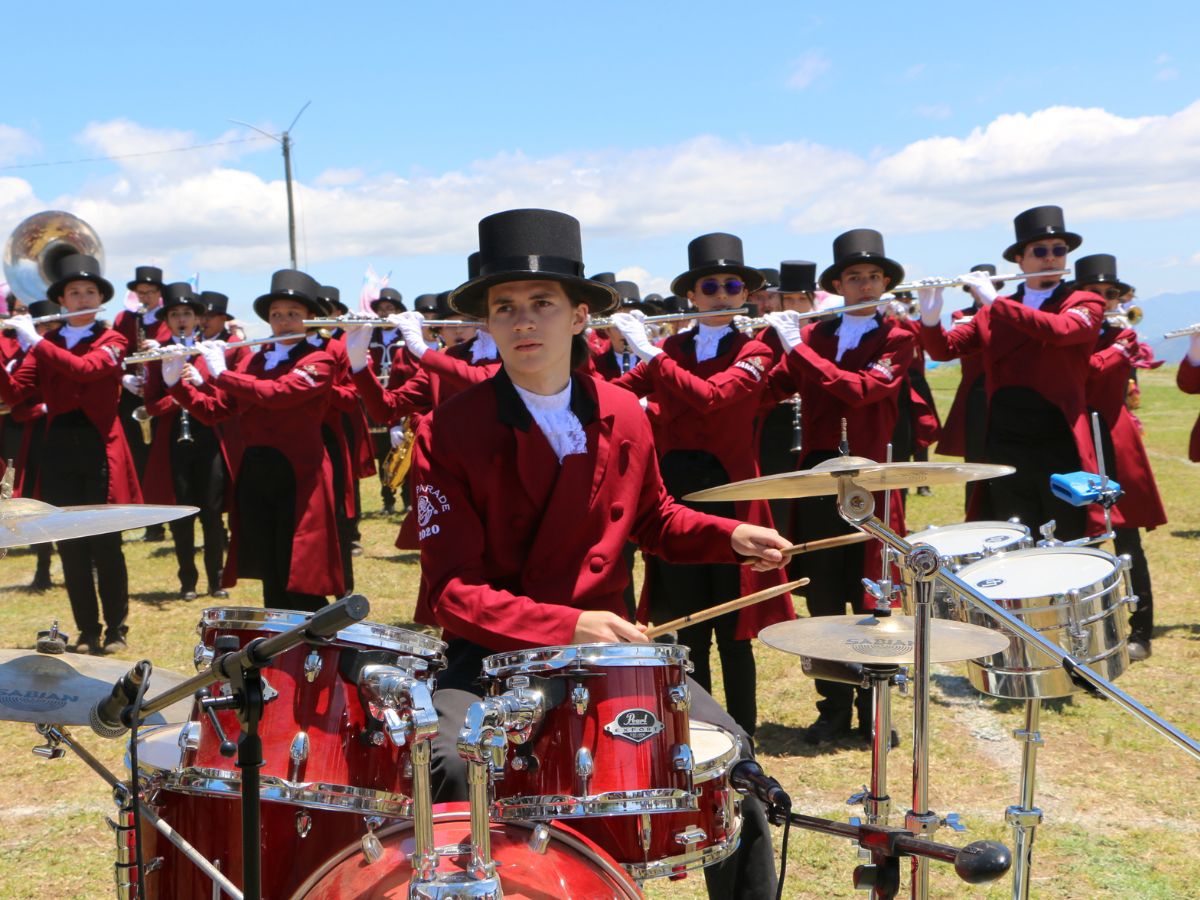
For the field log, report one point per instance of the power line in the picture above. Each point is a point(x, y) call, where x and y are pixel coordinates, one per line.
point(91, 159)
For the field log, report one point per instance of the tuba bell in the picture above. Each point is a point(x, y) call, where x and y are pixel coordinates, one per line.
point(36, 246)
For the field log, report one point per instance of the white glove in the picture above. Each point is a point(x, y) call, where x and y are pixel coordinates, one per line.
point(1194, 350)
point(26, 331)
point(358, 340)
point(133, 383)
point(148, 344)
point(214, 356)
point(787, 326)
point(633, 330)
point(396, 435)
point(410, 325)
point(172, 369)
point(930, 299)
point(980, 285)
point(192, 374)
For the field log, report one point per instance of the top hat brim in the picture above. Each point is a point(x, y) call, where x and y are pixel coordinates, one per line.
point(470, 299)
point(262, 306)
point(374, 304)
point(55, 291)
point(197, 306)
point(1069, 238)
point(808, 289)
point(892, 270)
point(133, 284)
point(687, 281)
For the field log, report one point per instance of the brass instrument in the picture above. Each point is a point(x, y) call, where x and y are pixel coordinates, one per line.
point(185, 424)
point(161, 353)
point(1183, 332)
point(1124, 317)
point(37, 245)
point(399, 460)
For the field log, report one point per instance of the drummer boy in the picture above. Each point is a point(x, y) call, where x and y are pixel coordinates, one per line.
point(522, 525)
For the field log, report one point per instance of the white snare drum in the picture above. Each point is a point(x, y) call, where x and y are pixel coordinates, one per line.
point(961, 544)
point(1077, 597)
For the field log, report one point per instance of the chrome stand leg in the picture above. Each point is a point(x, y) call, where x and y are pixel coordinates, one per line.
point(920, 820)
point(1025, 817)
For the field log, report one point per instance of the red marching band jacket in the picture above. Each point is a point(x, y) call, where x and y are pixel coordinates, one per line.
point(926, 428)
point(343, 400)
point(283, 409)
point(1048, 350)
point(953, 439)
point(85, 378)
point(515, 545)
point(714, 406)
point(28, 410)
point(1188, 380)
point(1140, 505)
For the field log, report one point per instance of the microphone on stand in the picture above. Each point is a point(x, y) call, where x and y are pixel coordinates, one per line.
point(748, 777)
point(105, 716)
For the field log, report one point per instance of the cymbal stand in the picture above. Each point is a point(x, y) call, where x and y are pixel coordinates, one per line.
point(57, 737)
point(1025, 817)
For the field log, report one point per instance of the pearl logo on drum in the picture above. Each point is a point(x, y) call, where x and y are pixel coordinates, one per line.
point(634, 725)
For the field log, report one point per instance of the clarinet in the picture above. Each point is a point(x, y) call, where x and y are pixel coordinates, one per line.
point(185, 424)
point(797, 425)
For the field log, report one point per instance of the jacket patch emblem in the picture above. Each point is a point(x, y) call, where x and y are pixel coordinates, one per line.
point(1082, 312)
point(884, 366)
point(430, 502)
point(755, 365)
point(307, 373)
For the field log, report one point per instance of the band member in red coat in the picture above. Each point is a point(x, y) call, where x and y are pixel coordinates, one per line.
point(848, 368)
point(284, 529)
point(84, 458)
point(1036, 348)
point(186, 464)
point(708, 386)
point(1188, 380)
point(529, 485)
point(612, 357)
point(1116, 355)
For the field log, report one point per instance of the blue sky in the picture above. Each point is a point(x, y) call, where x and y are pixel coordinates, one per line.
point(783, 122)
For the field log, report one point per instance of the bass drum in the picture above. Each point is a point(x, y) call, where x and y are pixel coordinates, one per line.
point(564, 864)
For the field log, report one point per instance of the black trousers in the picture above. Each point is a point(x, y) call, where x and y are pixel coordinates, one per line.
point(749, 873)
point(836, 581)
point(198, 475)
point(775, 456)
point(677, 590)
point(266, 510)
point(975, 439)
point(133, 430)
point(345, 523)
point(354, 532)
point(1027, 431)
point(10, 446)
point(74, 471)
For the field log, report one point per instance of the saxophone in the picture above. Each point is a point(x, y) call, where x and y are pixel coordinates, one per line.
point(398, 461)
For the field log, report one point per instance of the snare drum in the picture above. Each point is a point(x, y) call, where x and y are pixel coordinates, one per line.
point(961, 544)
point(321, 747)
point(671, 845)
point(1074, 596)
point(613, 739)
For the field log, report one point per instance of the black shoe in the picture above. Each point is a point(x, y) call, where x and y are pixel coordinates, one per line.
point(154, 534)
point(188, 594)
point(219, 593)
point(1139, 649)
point(924, 491)
point(87, 643)
point(41, 582)
point(389, 509)
point(827, 729)
point(115, 645)
point(356, 549)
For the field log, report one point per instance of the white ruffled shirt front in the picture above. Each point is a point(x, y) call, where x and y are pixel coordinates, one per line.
point(851, 331)
point(708, 338)
point(73, 334)
point(554, 416)
point(277, 354)
point(1035, 299)
point(484, 347)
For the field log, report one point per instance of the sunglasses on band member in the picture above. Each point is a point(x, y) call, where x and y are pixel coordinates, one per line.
point(710, 287)
point(1110, 293)
point(1059, 251)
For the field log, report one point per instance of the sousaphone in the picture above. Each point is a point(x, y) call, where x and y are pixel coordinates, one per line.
point(36, 246)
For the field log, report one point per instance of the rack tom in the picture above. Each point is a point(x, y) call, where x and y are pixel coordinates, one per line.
point(961, 545)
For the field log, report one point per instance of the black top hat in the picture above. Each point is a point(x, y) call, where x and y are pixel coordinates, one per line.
point(43, 308)
point(179, 293)
point(711, 254)
point(327, 295)
point(796, 276)
point(1099, 268)
point(530, 245)
point(291, 284)
point(146, 275)
point(444, 308)
point(215, 303)
point(78, 267)
point(473, 263)
point(770, 279)
point(392, 296)
point(1038, 223)
point(675, 304)
point(426, 303)
point(862, 245)
point(983, 267)
point(609, 278)
point(631, 297)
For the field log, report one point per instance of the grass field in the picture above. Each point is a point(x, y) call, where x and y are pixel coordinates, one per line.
point(1119, 800)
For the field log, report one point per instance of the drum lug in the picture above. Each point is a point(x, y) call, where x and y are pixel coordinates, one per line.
point(303, 823)
point(584, 769)
point(189, 737)
point(312, 666)
point(202, 657)
point(539, 840)
point(524, 762)
point(372, 847)
point(298, 753)
point(645, 832)
point(1079, 637)
point(681, 698)
point(580, 699)
point(690, 836)
point(681, 759)
point(1131, 599)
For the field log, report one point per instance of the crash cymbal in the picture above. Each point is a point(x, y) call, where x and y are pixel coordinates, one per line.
point(27, 521)
point(887, 640)
point(61, 690)
point(822, 479)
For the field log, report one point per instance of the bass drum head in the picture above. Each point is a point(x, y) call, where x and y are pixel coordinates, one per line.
point(569, 866)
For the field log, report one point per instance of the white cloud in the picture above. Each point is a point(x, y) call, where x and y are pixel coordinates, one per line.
point(1168, 74)
point(338, 177)
point(807, 69)
point(14, 144)
point(648, 283)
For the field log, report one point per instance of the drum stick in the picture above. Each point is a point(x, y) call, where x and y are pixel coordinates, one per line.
point(722, 608)
point(825, 543)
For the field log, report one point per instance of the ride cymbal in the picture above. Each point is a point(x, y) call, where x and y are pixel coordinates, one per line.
point(888, 640)
point(26, 521)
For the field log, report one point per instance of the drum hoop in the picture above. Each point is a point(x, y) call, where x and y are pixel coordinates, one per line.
point(1100, 587)
point(685, 862)
point(315, 794)
point(610, 803)
point(546, 659)
point(708, 769)
point(370, 634)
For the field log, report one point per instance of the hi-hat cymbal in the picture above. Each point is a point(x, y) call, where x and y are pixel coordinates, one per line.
point(61, 690)
point(822, 480)
point(27, 521)
point(887, 640)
